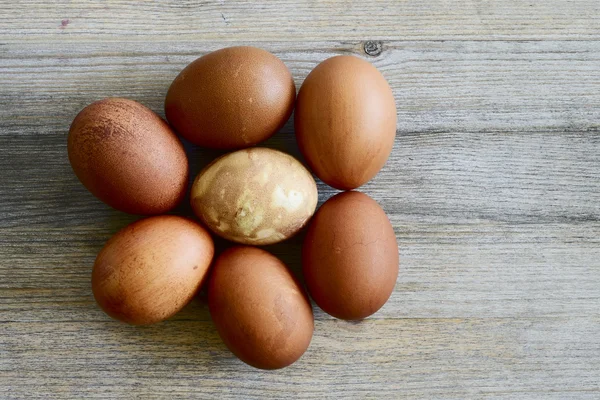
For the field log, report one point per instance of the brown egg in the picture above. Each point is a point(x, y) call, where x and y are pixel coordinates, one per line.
point(255, 196)
point(231, 98)
point(261, 312)
point(350, 256)
point(345, 121)
point(128, 157)
point(151, 269)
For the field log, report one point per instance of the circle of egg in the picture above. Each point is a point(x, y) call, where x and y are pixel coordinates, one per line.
point(233, 99)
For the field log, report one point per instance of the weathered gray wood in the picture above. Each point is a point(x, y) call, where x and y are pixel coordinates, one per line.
point(418, 358)
point(493, 189)
point(291, 20)
point(439, 86)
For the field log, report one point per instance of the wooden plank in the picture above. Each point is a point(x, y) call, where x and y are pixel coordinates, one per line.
point(418, 358)
point(439, 86)
point(450, 271)
point(231, 21)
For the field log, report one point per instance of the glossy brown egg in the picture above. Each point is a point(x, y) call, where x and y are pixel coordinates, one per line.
point(231, 98)
point(345, 121)
point(260, 311)
point(151, 269)
point(128, 157)
point(350, 256)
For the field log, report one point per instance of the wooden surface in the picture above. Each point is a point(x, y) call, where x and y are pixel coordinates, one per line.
point(493, 189)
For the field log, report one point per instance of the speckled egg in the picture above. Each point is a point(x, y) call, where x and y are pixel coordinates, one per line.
point(128, 157)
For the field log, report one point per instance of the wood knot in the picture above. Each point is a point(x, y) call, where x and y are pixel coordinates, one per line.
point(373, 47)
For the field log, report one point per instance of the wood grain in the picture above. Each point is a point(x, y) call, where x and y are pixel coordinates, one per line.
point(493, 190)
point(290, 20)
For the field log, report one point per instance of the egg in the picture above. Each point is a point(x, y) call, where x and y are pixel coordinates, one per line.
point(128, 157)
point(261, 312)
point(345, 121)
point(151, 269)
point(231, 98)
point(350, 256)
point(254, 196)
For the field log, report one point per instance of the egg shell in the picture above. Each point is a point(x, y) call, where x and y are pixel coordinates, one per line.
point(260, 310)
point(345, 121)
point(231, 98)
point(350, 256)
point(151, 269)
point(128, 157)
point(254, 196)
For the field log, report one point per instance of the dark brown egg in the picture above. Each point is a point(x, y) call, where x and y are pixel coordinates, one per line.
point(345, 121)
point(231, 98)
point(350, 256)
point(151, 269)
point(260, 311)
point(128, 157)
